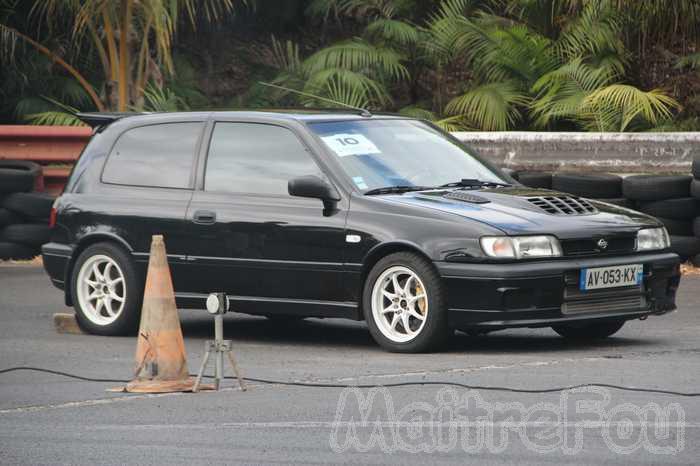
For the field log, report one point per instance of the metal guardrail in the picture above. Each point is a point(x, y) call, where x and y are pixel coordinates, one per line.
point(54, 147)
point(57, 148)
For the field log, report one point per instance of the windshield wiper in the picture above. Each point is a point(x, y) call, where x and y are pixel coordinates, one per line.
point(473, 183)
point(395, 189)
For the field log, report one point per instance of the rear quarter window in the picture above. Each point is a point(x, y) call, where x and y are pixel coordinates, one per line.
point(160, 156)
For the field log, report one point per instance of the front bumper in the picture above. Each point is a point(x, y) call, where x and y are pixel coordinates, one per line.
point(545, 293)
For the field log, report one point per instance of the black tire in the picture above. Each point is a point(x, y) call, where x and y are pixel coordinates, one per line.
point(696, 227)
point(594, 186)
point(695, 188)
point(589, 331)
point(128, 320)
point(17, 251)
point(18, 175)
point(677, 227)
point(619, 201)
point(684, 208)
point(656, 187)
point(685, 246)
point(29, 234)
point(7, 217)
point(536, 179)
point(435, 332)
point(31, 205)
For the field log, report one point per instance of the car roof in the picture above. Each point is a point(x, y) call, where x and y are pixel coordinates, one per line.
point(105, 118)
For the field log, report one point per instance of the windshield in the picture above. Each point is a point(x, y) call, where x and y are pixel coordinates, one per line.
point(383, 153)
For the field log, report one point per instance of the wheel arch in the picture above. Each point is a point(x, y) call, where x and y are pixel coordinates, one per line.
point(376, 254)
point(84, 243)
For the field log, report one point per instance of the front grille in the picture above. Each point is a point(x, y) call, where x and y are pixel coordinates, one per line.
point(608, 304)
point(563, 205)
point(628, 298)
point(587, 246)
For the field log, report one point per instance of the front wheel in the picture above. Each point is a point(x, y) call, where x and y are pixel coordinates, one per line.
point(405, 305)
point(591, 331)
point(106, 291)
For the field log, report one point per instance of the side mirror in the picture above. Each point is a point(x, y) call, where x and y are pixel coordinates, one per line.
point(315, 187)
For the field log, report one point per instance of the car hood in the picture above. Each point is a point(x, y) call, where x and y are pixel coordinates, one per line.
point(512, 211)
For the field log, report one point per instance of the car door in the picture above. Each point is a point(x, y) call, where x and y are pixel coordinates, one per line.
point(272, 252)
point(146, 184)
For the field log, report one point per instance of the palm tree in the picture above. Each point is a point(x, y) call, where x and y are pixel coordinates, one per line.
point(131, 38)
point(539, 64)
point(523, 78)
point(358, 71)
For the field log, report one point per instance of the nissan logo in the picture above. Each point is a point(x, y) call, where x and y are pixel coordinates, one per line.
point(602, 244)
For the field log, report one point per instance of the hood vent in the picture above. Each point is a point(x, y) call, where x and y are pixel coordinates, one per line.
point(465, 197)
point(563, 205)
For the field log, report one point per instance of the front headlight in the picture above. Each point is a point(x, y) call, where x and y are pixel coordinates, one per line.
point(518, 247)
point(652, 238)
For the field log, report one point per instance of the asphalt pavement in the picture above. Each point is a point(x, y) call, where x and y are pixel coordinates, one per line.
point(48, 419)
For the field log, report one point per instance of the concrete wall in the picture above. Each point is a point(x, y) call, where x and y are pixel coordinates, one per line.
point(614, 152)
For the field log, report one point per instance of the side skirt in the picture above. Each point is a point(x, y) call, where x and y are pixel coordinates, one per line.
point(260, 306)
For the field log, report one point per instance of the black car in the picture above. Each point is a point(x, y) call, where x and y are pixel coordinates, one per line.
point(340, 214)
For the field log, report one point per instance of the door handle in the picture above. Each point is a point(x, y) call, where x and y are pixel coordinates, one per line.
point(204, 217)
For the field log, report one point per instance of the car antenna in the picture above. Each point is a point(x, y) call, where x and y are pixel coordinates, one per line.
point(363, 111)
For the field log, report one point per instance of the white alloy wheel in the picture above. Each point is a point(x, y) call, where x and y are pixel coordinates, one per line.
point(399, 304)
point(101, 289)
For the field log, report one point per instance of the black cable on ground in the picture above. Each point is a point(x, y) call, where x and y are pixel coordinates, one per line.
point(388, 385)
point(64, 374)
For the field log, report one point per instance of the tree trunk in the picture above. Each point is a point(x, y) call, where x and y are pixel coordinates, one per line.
point(124, 53)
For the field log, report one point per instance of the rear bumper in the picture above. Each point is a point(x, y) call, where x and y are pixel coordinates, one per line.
point(545, 293)
point(56, 258)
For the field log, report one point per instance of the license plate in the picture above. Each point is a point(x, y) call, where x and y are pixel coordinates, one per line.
point(611, 277)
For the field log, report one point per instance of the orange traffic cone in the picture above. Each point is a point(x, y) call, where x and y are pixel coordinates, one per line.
point(161, 363)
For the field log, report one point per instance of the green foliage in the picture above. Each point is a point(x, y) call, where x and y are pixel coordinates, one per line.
point(615, 107)
point(60, 114)
point(523, 78)
point(55, 117)
point(357, 55)
point(691, 61)
point(463, 64)
point(392, 31)
point(491, 107)
point(159, 99)
point(184, 84)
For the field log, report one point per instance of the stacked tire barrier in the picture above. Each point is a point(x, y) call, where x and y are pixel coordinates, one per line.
point(695, 193)
point(673, 199)
point(24, 214)
point(668, 199)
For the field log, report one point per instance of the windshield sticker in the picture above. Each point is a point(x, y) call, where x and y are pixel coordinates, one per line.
point(359, 182)
point(345, 144)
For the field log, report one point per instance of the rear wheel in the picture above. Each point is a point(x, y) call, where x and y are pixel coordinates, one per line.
point(591, 331)
point(404, 304)
point(106, 292)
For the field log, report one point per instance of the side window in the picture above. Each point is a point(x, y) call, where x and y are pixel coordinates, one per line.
point(255, 158)
point(155, 155)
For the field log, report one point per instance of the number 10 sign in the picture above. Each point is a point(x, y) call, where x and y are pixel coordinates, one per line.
point(345, 144)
